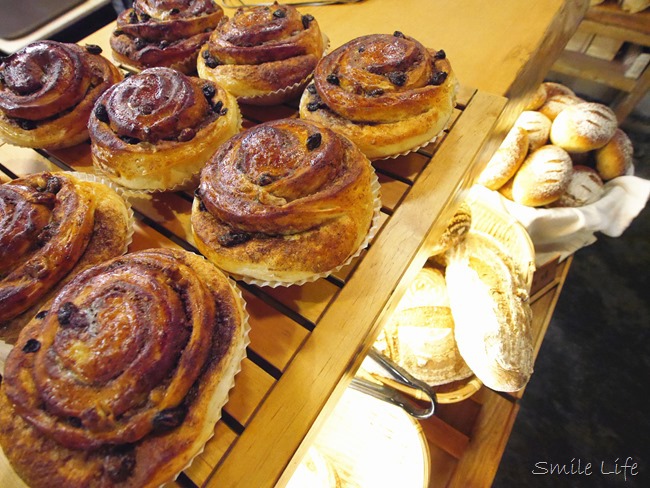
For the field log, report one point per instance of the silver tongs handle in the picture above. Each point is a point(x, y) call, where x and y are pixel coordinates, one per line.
point(391, 395)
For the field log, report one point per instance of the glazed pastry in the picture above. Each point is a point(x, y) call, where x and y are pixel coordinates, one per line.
point(155, 130)
point(52, 226)
point(165, 33)
point(387, 93)
point(47, 92)
point(284, 202)
point(263, 55)
point(120, 380)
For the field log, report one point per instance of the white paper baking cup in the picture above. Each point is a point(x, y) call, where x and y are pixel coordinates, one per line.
point(372, 231)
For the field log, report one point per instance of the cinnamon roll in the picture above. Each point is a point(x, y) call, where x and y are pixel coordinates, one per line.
point(155, 130)
point(47, 91)
point(387, 93)
point(120, 379)
point(52, 226)
point(164, 33)
point(284, 202)
point(263, 55)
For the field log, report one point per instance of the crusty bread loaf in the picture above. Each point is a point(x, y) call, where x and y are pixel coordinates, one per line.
point(537, 125)
point(583, 127)
point(542, 177)
point(489, 303)
point(506, 160)
point(616, 157)
point(585, 187)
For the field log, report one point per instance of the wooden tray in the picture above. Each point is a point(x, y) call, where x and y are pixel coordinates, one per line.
point(308, 341)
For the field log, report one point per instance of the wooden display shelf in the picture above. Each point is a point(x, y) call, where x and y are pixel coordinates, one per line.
point(308, 341)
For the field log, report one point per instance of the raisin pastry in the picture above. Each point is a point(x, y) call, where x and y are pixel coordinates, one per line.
point(284, 202)
point(47, 92)
point(52, 226)
point(387, 93)
point(120, 380)
point(263, 55)
point(156, 129)
point(165, 33)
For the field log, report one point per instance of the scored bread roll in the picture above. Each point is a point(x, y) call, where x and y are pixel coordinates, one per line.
point(538, 127)
point(506, 160)
point(584, 127)
point(489, 304)
point(419, 336)
point(554, 88)
point(616, 157)
point(555, 104)
point(585, 187)
point(542, 177)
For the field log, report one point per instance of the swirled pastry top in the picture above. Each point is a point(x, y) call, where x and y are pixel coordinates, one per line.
point(382, 78)
point(48, 78)
point(263, 34)
point(155, 105)
point(46, 221)
point(164, 32)
point(116, 355)
point(281, 177)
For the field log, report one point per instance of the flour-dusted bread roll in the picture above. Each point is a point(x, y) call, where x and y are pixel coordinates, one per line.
point(584, 127)
point(53, 226)
point(542, 177)
point(555, 104)
point(420, 334)
point(492, 316)
point(285, 202)
point(616, 157)
point(156, 130)
point(388, 94)
point(537, 98)
point(47, 93)
point(506, 160)
point(554, 88)
point(585, 187)
point(263, 55)
point(165, 33)
point(120, 380)
point(538, 127)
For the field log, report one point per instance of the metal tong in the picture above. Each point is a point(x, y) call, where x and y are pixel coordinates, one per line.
point(412, 405)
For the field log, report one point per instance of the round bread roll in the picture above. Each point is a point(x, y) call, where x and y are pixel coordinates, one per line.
point(492, 316)
point(52, 226)
point(537, 98)
point(616, 157)
point(555, 104)
point(156, 130)
point(542, 177)
point(538, 127)
point(47, 92)
point(121, 379)
point(387, 93)
point(584, 127)
point(263, 55)
point(165, 33)
point(585, 187)
point(420, 334)
point(554, 88)
point(284, 202)
point(506, 160)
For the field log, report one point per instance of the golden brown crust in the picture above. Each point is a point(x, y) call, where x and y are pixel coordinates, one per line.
point(185, 376)
point(583, 127)
point(47, 93)
point(616, 157)
point(111, 234)
point(506, 160)
point(156, 129)
point(542, 177)
point(261, 51)
point(538, 127)
point(387, 93)
point(165, 33)
point(283, 201)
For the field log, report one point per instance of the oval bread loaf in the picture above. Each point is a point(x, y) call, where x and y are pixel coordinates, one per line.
point(584, 127)
point(506, 160)
point(537, 125)
point(616, 157)
point(585, 187)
